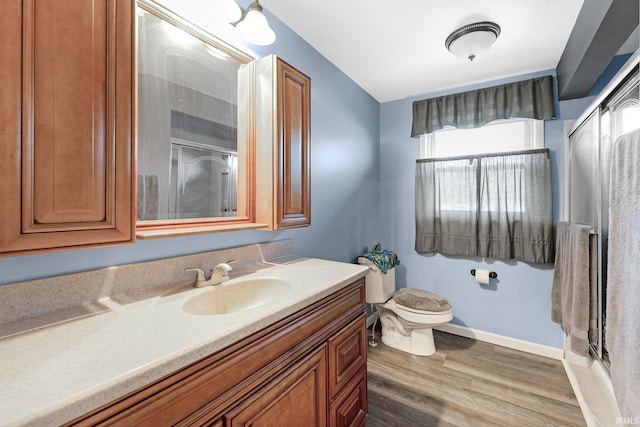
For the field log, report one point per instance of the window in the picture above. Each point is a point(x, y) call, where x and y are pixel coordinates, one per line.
point(485, 192)
point(497, 136)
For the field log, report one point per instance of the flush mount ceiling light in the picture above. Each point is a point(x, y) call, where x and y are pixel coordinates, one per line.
point(253, 26)
point(471, 40)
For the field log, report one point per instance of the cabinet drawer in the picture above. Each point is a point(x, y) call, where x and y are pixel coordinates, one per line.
point(347, 354)
point(350, 407)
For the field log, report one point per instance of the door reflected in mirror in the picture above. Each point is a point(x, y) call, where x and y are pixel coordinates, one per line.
point(203, 180)
point(192, 163)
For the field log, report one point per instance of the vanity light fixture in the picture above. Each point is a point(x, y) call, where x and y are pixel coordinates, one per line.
point(234, 12)
point(253, 26)
point(471, 40)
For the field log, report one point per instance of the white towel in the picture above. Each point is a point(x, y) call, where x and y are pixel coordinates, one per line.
point(623, 274)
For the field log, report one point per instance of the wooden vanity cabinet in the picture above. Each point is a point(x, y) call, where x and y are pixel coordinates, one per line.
point(308, 369)
point(298, 396)
point(348, 375)
point(283, 130)
point(66, 127)
point(349, 408)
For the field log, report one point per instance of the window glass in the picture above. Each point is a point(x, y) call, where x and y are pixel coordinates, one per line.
point(496, 137)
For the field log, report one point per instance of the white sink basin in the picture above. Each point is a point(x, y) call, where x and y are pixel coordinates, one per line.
point(237, 295)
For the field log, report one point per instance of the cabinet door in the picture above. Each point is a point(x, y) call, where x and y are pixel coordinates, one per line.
point(293, 190)
point(347, 354)
point(67, 130)
point(298, 397)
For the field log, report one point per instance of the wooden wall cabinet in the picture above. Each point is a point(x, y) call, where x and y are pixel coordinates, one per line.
point(282, 132)
point(67, 126)
point(308, 369)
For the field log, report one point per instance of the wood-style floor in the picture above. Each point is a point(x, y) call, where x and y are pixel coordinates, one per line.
point(468, 383)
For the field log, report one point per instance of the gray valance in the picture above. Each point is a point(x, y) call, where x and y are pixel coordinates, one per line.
point(531, 99)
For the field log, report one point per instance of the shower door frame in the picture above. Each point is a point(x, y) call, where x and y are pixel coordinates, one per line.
point(618, 87)
point(598, 349)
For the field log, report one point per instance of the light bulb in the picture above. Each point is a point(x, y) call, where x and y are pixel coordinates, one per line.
point(234, 13)
point(254, 28)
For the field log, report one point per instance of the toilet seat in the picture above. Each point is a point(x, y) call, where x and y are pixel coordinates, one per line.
point(421, 300)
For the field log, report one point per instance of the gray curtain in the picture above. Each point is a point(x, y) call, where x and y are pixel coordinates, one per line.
point(524, 99)
point(494, 206)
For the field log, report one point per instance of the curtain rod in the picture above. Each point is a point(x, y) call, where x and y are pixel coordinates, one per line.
point(480, 156)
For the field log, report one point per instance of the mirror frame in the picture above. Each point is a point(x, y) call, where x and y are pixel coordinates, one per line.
point(246, 132)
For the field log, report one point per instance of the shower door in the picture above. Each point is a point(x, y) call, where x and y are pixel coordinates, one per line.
point(584, 147)
point(588, 188)
point(585, 201)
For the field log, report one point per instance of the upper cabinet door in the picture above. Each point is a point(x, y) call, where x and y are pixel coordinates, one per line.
point(294, 202)
point(283, 127)
point(67, 132)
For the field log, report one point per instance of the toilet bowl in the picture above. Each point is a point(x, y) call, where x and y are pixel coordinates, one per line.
point(408, 329)
point(407, 315)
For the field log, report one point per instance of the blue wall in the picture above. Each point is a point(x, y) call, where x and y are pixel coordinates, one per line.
point(344, 177)
point(362, 171)
point(518, 303)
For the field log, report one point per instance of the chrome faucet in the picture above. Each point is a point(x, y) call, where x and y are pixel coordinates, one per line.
point(200, 279)
point(219, 274)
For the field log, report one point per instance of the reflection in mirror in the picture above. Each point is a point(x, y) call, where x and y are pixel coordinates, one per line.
point(191, 162)
point(203, 180)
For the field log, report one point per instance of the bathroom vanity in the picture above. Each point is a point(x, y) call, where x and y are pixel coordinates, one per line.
point(309, 367)
point(139, 345)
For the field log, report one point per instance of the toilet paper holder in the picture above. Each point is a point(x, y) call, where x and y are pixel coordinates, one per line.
point(492, 274)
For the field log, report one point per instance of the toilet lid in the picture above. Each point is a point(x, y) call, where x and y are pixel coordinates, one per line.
point(421, 300)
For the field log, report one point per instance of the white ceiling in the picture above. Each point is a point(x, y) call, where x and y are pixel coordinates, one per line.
point(395, 49)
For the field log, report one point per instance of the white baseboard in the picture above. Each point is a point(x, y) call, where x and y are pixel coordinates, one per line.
point(514, 343)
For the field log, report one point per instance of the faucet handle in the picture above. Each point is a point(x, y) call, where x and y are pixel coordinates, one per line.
point(227, 265)
point(220, 273)
point(224, 267)
point(200, 278)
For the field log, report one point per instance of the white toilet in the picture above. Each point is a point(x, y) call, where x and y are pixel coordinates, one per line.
point(408, 315)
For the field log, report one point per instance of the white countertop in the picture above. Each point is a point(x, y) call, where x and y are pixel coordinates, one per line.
point(56, 373)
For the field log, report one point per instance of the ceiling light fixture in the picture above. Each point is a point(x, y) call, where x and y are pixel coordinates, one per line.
point(253, 26)
point(471, 40)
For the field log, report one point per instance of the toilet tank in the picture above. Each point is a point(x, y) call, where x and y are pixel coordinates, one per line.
point(379, 286)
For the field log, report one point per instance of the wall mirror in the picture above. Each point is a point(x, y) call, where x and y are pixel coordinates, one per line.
point(194, 160)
